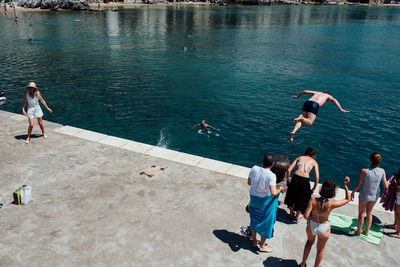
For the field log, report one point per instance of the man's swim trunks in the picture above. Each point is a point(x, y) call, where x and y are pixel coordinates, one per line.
point(311, 106)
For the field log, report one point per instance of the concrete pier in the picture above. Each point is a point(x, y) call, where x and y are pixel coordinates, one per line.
point(99, 200)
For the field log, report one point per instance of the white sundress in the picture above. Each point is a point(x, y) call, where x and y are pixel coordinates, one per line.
point(34, 110)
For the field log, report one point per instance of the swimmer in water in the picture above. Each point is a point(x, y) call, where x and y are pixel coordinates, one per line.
point(30, 40)
point(184, 49)
point(16, 19)
point(204, 127)
point(30, 24)
point(310, 109)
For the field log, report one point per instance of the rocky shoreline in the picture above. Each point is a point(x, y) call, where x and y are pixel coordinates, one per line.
point(88, 5)
point(55, 4)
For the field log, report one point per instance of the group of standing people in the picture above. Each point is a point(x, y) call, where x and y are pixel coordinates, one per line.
point(301, 202)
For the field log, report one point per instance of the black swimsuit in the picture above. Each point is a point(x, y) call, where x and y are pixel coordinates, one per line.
point(311, 106)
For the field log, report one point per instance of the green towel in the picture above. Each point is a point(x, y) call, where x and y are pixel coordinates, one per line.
point(346, 224)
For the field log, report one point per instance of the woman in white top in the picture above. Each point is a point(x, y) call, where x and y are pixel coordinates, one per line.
point(34, 111)
point(299, 190)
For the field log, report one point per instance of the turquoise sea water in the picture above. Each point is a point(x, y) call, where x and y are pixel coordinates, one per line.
point(125, 74)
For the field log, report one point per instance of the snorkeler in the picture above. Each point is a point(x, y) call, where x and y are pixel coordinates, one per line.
point(310, 109)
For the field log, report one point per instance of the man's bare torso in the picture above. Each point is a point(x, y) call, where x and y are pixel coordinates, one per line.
point(320, 98)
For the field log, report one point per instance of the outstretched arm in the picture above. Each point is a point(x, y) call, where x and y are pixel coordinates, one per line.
point(384, 181)
point(316, 170)
point(347, 198)
point(23, 106)
point(44, 103)
point(332, 99)
point(305, 92)
point(360, 180)
point(309, 208)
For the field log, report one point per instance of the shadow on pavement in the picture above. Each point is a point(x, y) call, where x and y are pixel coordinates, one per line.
point(283, 217)
point(23, 136)
point(276, 262)
point(235, 241)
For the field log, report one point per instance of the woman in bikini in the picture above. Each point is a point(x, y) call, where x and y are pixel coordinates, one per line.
point(299, 192)
point(318, 224)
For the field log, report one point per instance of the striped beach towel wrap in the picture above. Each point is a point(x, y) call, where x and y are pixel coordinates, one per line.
point(263, 214)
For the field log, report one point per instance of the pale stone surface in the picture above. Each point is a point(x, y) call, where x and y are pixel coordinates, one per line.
point(91, 207)
point(239, 171)
point(18, 117)
point(114, 141)
point(187, 159)
point(137, 147)
point(68, 130)
point(89, 135)
point(163, 153)
point(215, 165)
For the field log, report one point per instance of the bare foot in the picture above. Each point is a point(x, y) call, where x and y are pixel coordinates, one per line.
point(365, 232)
point(265, 249)
point(354, 232)
point(291, 137)
point(396, 235)
point(299, 217)
point(298, 118)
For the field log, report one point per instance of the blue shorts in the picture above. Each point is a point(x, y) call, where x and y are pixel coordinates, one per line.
point(311, 106)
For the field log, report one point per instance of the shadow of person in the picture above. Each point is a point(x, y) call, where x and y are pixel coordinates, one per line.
point(340, 232)
point(276, 262)
point(283, 217)
point(354, 222)
point(375, 219)
point(23, 136)
point(235, 241)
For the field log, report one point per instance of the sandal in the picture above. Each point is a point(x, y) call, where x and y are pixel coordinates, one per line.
point(27, 141)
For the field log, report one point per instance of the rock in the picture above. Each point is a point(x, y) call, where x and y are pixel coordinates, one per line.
point(47, 4)
point(30, 3)
point(55, 4)
point(79, 5)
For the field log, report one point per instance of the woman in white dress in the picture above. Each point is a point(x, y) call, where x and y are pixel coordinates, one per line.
point(34, 111)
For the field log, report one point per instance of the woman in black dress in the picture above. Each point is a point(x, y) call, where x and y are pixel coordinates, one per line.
point(299, 191)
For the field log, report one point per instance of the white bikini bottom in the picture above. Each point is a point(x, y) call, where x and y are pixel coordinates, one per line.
point(318, 228)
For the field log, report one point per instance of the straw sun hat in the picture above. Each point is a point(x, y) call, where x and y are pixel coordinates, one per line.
point(32, 85)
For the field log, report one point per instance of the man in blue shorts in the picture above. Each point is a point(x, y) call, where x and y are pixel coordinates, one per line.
point(310, 109)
